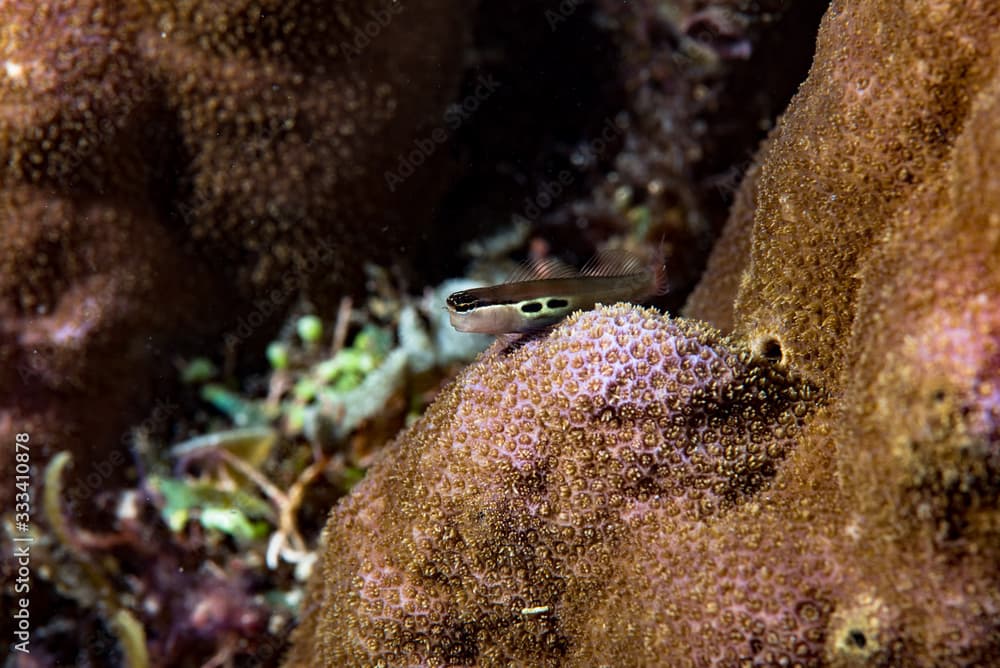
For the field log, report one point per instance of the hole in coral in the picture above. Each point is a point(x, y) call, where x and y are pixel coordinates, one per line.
point(770, 349)
point(857, 638)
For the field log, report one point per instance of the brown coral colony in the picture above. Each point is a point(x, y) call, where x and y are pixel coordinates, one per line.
point(819, 487)
point(801, 469)
point(165, 165)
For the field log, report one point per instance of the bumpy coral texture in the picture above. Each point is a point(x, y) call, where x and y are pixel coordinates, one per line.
point(165, 165)
point(876, 120)
point(531, 473)
point(862, 363)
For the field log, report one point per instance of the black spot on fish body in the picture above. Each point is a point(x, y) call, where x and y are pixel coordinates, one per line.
point(531, 307)
point(556, 303)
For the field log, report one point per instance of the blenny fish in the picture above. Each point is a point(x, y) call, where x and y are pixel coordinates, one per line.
point(544, 293)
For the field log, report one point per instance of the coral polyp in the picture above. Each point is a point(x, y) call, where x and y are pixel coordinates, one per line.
point(817, 487)
point(533, 470)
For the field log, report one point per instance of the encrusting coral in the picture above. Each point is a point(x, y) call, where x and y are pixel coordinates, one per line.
point(818, 487)
point(167, 168)
point(618, 424)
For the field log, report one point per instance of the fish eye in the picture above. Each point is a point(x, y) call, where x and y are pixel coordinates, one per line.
point(531, 307)
point(557, 303)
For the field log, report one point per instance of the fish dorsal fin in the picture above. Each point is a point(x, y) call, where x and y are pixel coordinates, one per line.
point(548, 268)
point(613, 262)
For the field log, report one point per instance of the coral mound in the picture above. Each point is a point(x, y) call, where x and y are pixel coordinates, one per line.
point(167, 169)
point(530, 475)
point(819, 487)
